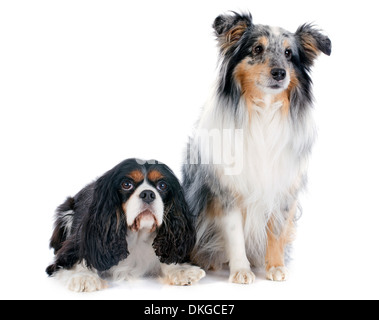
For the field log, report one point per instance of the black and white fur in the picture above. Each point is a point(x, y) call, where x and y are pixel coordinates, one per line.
point(131, 222)
point(264, 91)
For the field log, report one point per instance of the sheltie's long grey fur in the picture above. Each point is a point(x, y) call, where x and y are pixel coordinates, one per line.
point(263, 92)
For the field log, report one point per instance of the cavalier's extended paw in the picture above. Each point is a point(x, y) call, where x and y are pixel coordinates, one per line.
point(277, 274)
point(182, 274)
point(86, 283)
point(245, 276)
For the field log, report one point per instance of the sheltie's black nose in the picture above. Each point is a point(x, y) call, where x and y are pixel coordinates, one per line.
point(278, 74)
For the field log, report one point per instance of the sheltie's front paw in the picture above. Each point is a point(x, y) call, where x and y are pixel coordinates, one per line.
point(242, 277)
point(277, 274)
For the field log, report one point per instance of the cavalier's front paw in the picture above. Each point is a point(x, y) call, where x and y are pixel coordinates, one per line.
point(182, 275)
point(86, 283)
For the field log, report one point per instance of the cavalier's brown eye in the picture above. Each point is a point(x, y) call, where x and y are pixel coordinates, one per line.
point(127, 186)
point(258, 49)
point(162, 186)
point(288, 53)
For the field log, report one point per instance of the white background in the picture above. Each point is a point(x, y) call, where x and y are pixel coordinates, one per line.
point(86, 84)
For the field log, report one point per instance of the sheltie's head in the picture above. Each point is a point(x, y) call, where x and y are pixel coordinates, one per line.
point(257, 60)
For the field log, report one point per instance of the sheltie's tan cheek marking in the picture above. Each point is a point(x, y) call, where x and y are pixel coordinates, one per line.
point(248, 76)
point(285, 96)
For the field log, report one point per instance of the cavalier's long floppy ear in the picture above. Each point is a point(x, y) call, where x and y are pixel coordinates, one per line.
point(104, 230)
point(176, 237)
point(312, 42)
point(229, 29)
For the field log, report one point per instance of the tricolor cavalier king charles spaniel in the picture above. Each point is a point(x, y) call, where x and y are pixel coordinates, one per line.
point(131, 222)
point(244, 189)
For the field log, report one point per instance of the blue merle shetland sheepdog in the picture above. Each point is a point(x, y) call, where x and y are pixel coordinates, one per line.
point(246, 217)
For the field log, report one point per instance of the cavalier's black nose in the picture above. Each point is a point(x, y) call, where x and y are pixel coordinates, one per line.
point(278, 74)
point(147, 196)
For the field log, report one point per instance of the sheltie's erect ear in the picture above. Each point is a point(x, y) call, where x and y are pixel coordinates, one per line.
point(229, 29)
point(312, 42)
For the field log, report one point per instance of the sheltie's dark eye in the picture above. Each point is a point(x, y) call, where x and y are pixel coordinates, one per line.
point(288, 53)
point(258, 49)
point(127, 186)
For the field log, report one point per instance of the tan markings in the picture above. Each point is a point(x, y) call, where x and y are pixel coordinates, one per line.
point(310, 45)
point(214, 208)
point(136, 175)
point(154, 175)
point(285, 96)
point(248, 77)
point(276, 246)
point(232, 36)
point(263, 41)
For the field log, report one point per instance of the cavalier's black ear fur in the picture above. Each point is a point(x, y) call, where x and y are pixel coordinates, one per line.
point(176, 237)
point(104, 229)
point(312, 42)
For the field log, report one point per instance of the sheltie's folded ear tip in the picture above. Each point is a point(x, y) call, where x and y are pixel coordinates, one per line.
point(225, 22)
point(313, 41)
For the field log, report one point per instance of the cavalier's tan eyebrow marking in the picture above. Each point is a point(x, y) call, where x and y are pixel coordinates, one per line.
point(154, 175)
point(136, 175)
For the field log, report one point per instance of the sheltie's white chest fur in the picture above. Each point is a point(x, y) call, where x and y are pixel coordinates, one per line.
point(274, 159)
point(254, 158)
